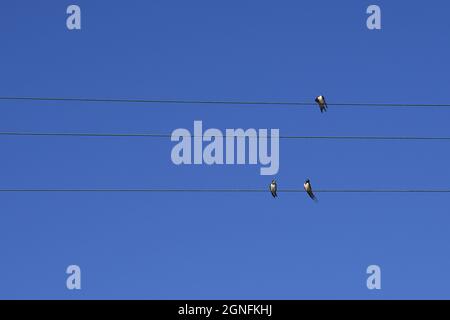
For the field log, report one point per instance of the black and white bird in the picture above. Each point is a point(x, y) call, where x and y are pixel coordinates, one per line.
point(273, 188)
point(308, 189)
point(320, 100)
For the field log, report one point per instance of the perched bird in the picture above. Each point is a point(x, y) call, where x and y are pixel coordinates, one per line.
point(320, 100)
point(273, 188)
point(308, 189)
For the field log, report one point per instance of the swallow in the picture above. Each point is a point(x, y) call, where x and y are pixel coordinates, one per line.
point(308, 189)
point(273, 188)
point(320, 100)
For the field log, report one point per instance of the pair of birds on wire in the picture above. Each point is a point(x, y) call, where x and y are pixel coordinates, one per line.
point(307, 186)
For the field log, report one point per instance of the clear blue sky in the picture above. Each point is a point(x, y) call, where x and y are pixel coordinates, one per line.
point(208, 246)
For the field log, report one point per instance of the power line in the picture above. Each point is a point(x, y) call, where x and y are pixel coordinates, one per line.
point(195, 190)
point(81, 134)
point(222, 102)
point(165, 135)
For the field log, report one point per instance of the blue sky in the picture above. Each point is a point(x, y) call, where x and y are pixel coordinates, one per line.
point(224, 246)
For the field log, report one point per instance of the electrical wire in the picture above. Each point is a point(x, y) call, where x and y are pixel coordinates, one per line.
point(222, 102)
point(223, 190)
point(164, 135)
